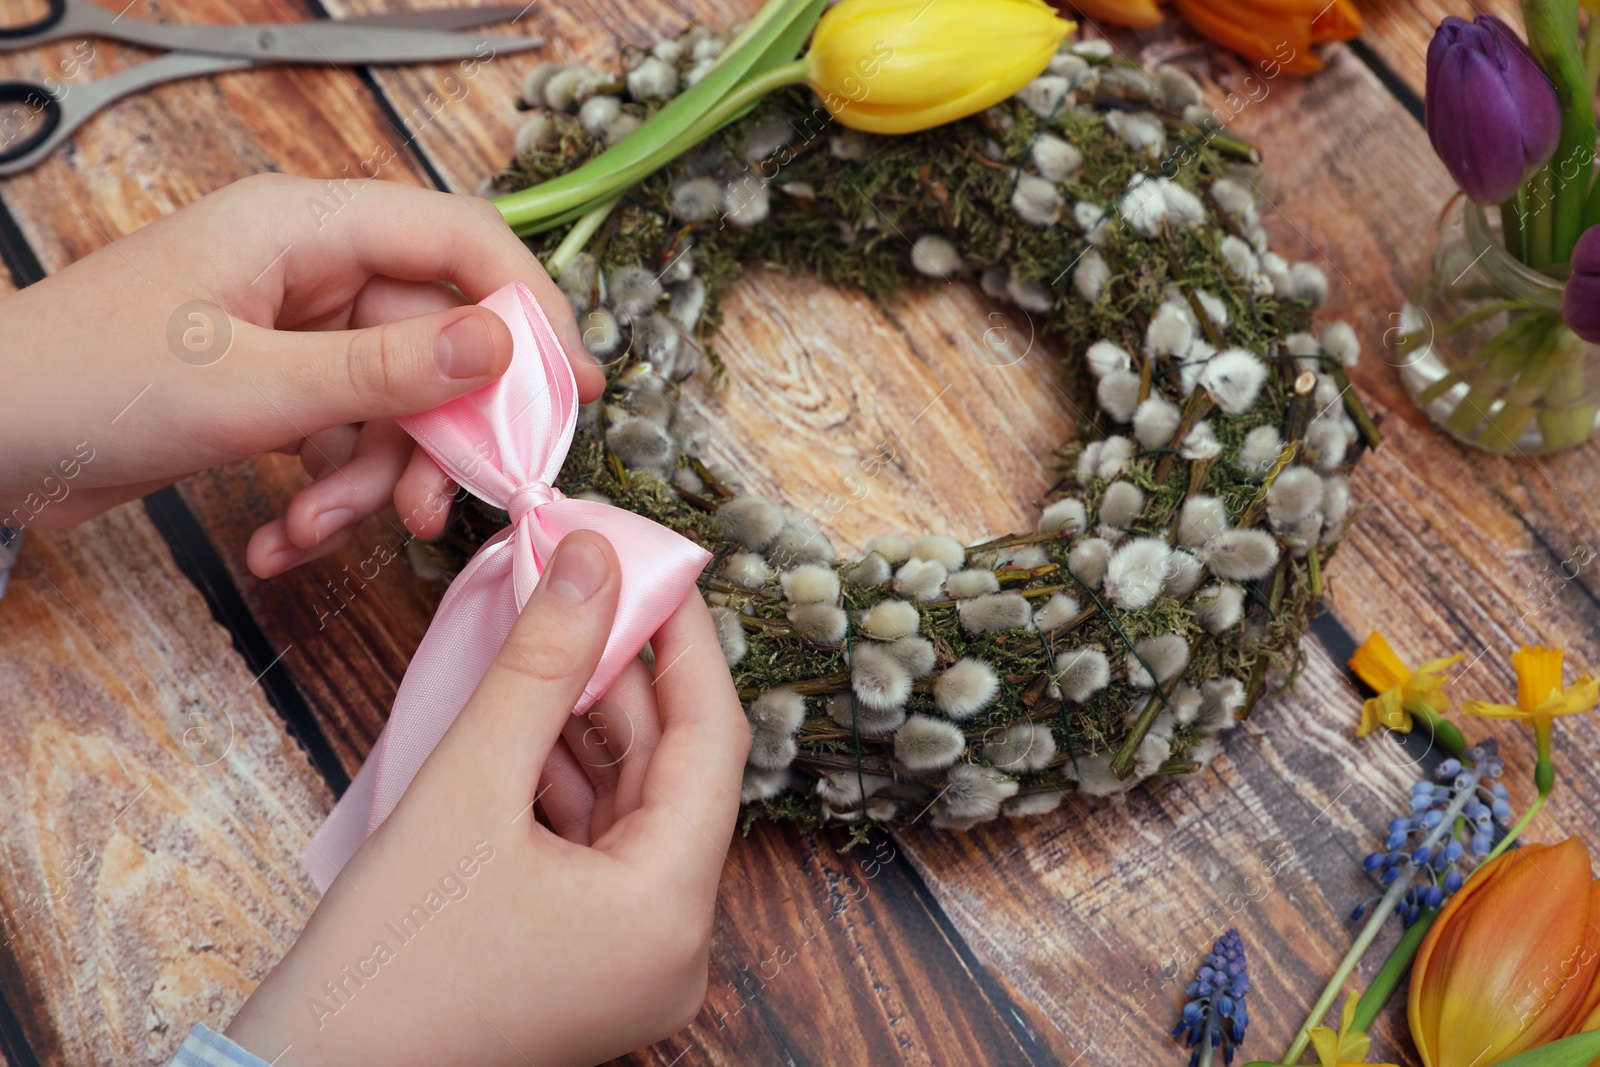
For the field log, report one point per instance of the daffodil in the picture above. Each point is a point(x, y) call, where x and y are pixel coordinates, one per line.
point(1402, 692)
point(1539, 692)
point(1540, 699)
point(1345, 1047)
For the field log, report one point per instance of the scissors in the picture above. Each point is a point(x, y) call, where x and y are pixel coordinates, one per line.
point(55, 111)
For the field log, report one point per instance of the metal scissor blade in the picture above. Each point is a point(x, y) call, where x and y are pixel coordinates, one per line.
point(323, 42)
point(445, 18)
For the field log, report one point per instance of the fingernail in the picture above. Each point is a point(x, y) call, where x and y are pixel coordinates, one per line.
point(330, 522)
point(464, 349)
point(577, 572)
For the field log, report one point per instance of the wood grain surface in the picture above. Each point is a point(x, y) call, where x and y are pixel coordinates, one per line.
point(1061, 940)
point(154, 803)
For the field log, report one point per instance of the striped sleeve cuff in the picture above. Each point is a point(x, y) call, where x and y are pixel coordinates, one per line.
point(205, 1048)
point(10, 545)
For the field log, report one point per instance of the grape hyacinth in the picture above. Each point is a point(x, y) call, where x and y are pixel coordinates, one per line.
point(1215, 1016)
point(1423, 851)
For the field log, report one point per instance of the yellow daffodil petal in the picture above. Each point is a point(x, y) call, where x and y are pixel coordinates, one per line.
point(1369, 717)
point(1387, 709)
point(1353, 1045)
point(1483, 709)
point(1376, 664)
point(1434, 666)
point(1326, 1042)
point(1429, 689)
point(1581, 695)
point(1538, 675)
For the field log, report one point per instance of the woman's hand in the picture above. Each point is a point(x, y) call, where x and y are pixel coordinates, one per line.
point(464, 931)
point(277, 313)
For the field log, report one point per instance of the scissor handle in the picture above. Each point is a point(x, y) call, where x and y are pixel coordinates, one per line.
point(38, 28)
point(48, 114)
point(63, 109)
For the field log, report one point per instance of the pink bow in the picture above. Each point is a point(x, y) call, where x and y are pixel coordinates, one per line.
point(506, 444)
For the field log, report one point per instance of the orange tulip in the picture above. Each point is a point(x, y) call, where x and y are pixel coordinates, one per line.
point(1510, 962)
point(1274, 34)
point(1139, 13)
point(1339, 21)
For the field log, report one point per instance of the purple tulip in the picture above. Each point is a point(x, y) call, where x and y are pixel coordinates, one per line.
point(1580, 297)
point(1491, 114)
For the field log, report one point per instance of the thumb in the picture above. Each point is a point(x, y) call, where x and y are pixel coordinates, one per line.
point(506, 730)
point(331, 377)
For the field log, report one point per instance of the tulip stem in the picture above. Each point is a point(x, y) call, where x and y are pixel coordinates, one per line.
point(578, 238)
point(1540, 222)
point(1552, 27)
point(1380, 914)
point(749, 92)
point(1591, 54)
point(1511, 225)
point(1394, 969)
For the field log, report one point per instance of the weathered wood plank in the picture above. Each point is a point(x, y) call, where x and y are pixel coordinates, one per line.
point(154, 804)
point(159, 150)
point(350, 662)
point(1100, 914)
point(1443, 558)
point(1060, 905)
point(821, 381)
point(462, 116)
point(1398, 31)
point(348, 623)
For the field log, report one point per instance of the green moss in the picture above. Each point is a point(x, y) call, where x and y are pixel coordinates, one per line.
point(850, 224)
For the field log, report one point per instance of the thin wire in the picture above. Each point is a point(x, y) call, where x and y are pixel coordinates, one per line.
point(1066, 729)
point(1135, 652)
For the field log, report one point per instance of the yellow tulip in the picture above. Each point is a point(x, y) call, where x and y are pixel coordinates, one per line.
point(1510, 962)
point(898, 66)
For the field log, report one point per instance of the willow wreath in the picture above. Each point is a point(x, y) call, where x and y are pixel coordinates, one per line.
point(1175, 563)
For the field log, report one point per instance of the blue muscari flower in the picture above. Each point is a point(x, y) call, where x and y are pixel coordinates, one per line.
point(1428, 854)
point(1215, 1015)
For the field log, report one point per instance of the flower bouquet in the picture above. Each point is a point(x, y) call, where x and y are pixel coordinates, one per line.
point(1500, 942)
point(1498, 340)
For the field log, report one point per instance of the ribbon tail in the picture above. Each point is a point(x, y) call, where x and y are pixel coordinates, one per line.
point(659, 568)
point(472, 622)
point(346, 828)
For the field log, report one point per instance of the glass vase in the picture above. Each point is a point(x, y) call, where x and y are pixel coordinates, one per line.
point(1483, 350)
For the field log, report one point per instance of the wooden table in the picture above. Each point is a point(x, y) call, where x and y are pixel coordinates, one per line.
point(1051, 941)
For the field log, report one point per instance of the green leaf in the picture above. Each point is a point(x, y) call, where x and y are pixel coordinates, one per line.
point(1553, 37)
point(1392, 973)
point(781, 24)
point(786, 47)
point(1574, 1051)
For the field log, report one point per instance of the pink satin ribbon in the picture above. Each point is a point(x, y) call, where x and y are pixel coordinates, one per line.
point(506, 444)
